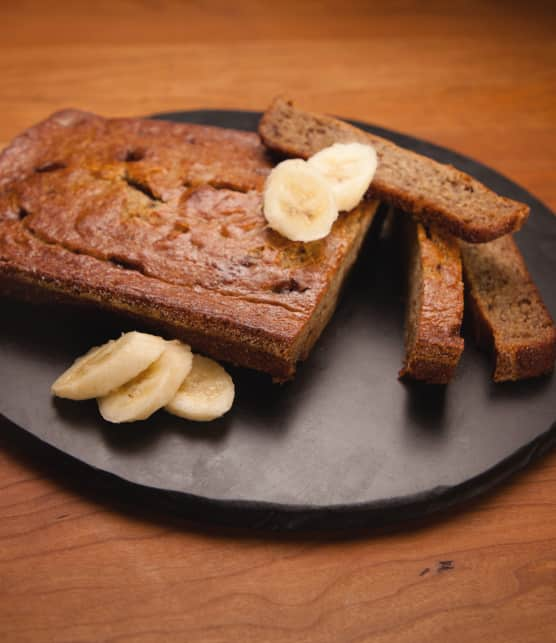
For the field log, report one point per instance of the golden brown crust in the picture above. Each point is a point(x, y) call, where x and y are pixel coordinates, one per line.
point(163, 221)
point(435, 306)
point(507, 311)
point(435, 193)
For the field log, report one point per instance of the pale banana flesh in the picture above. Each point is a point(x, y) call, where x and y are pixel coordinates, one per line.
point(349, 168)
point(298, 202)
point(206, 393)
point(302, 199)
point(152, 389)
point(107, 367)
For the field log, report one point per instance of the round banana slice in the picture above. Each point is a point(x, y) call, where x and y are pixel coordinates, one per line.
point(349, 168)
point(206, 393)
point(105, 368)
point(298, 201)
point(150, 390)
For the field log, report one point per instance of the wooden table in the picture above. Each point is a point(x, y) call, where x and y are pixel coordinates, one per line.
point(79, 565)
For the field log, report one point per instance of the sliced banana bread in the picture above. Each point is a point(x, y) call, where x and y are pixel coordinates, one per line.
point(434, 305)
point(435, 193)
point(507, 310)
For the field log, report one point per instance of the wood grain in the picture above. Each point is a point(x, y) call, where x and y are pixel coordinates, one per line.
point(84, 564)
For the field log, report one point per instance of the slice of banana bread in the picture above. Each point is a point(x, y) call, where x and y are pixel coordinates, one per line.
point(163, 221)
point(434, 309)
point(435, 193)
point(507, 311)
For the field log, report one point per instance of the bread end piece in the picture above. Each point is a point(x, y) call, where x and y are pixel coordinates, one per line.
point(508, 315)
point(434, 307)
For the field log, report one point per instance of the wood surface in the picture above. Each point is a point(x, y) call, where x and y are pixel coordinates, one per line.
point(84, 564)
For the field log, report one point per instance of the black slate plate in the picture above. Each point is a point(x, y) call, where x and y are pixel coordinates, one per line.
point(346, 444)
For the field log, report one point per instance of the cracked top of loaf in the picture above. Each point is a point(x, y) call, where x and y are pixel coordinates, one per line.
point(164, 221)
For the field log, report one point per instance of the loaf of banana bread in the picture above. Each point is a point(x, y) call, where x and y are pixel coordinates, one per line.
point(435, 193)
point(163, 221)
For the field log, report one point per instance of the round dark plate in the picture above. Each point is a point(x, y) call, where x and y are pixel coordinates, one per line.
point(345, 444)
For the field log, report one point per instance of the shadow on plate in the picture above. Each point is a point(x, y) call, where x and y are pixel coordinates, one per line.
point(524, 389)
point(135, 437)
point(425, 406)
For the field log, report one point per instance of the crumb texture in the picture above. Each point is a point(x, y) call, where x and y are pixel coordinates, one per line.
point(434, 310)
point(509, 315)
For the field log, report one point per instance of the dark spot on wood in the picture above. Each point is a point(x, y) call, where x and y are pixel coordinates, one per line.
point(424, 571)
point(22, 213)
point(445, 565)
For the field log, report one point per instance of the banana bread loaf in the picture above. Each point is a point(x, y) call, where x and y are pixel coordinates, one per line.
point(163, 221)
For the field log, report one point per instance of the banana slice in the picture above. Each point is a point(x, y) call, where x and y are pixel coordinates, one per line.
point(105, 368)
point(298, 202)
point(349, 168)
point(150, 390)
point(206, 393)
